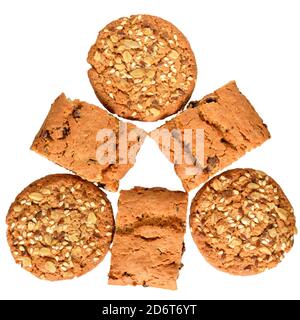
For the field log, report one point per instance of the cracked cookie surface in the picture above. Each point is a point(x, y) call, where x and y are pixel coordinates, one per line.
point(70, 138)
point(60, 227)
point(149, 239)
point(143, 68)
point(242, 222)
point(231, 128)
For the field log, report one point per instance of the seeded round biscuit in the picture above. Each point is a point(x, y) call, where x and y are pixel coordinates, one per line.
point(60, 227)
point(143, 68)
point(242, 222)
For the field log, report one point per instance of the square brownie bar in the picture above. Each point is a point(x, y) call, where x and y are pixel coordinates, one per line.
point(70, 138)
point(149, 239)
point(231, 127)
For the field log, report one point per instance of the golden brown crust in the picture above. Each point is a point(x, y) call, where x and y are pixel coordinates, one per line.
point(143, 68)
point(60, 227)
point(231, 128)
point(242, 222)
point(153, 222)
point(68, 137)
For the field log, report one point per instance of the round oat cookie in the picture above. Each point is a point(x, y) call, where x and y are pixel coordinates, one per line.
point(242, 222)
point(143, 68)
point(60, 227)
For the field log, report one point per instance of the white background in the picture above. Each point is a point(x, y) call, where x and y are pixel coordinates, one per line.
point(43, 49)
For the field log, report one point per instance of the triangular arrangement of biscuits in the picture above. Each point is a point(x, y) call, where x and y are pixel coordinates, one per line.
point(62, 226)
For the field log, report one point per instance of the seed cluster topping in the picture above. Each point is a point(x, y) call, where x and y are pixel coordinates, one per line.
point(60, 228)
point(242, 222)
point(145, 65)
